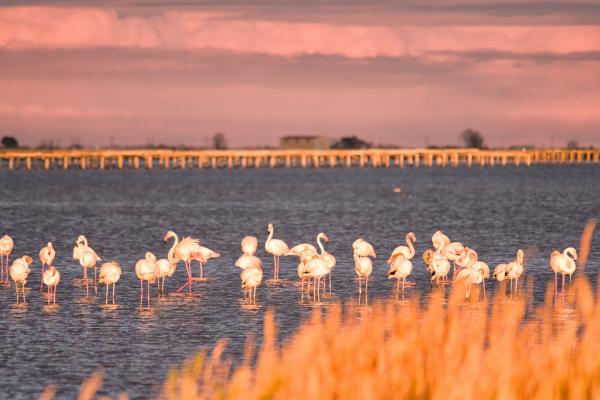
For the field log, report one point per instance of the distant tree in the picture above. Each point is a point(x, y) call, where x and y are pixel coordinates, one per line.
point(572, 144)
point(219, 141)
point(351, 142)
point(9, 142)
point(472, 138)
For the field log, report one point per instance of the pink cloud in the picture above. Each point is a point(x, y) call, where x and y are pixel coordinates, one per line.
point(48, 27)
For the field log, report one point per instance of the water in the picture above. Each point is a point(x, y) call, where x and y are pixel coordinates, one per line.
point(126, 213)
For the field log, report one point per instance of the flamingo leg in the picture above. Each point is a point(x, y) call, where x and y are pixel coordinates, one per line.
point(48, 295)
point(42, 279)
point(106, 301)
point(483, 284)
point(113, 285)
point(24, 299)
point(367, 285)
point(95, 281)
point(359, 285)
point(141, 292)
point(148, 294)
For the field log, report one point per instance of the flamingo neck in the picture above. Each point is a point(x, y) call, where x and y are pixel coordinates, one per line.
point(171, 254)
point(320, 244)
point(270, 236)
point(410, 245)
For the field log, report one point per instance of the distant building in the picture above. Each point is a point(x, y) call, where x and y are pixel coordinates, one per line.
point(351, 142)
point(304, 142)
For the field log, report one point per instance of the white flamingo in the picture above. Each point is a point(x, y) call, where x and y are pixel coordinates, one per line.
point(453, 251)
point(47, 255)
point(206, 254)
point(471, 277)
point(276, 247)
point(362, 248)
point(87, 259)
point(249, 245)
point(500, 272)
point(408, 251)
point(514, 269)
point(328, 258)
point(19, 272)
point(400, 269)
point(563, 263)
point(439, 239)
point(110, 273)
point(251, 279)
point(303, 271)
point(51, 278)
point(439, 265)
point(186, 250)
point(363, 268)
point(6, 246)
point(317, 268)
point(146, 270)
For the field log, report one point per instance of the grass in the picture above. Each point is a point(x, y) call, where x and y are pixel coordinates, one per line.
point(439, 349)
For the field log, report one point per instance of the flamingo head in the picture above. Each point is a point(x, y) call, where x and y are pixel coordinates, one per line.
point(28, 260)
point(520, 256)
point(168, 235)
point(80, 239)
point(571, 251)
point(49, 245)
point(427, 255)
point(325, 237)
point(150, 257)
point(270, 228)
point(411, 236)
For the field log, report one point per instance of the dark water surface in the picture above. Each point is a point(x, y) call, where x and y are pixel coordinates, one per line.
point(126, 213)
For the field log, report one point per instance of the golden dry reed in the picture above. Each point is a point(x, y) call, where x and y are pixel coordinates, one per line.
point(438, 349)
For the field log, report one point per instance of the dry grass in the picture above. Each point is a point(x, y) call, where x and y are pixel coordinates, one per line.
point(440, 350)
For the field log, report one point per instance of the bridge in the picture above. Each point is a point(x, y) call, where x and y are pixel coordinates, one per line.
point(275, 158)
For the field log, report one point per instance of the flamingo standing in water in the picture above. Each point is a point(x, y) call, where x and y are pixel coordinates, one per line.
point(400, 268)
point(437, 265)
point(249, 245)
point(453, 251)
point(110, 273)
point(51, 278)
point(6, 246)
point(19, 272)
point(500, 272)
point(514, 269)
point(564, 264)
point(47, 255)
point(186, 250)
point(363, 268)
point(362, 248)
point(276, 247)
point(87, 259)
point(146, 270)
point(471, 276)
point(303, 272)
point(317, 268)
point(251, 277)
point(206, 254)
point(408, 251)
point(328, 258)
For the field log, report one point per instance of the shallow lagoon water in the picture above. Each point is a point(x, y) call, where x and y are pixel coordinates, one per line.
point(126, 213)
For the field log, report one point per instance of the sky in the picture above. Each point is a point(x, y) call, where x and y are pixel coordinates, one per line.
point(403, 73)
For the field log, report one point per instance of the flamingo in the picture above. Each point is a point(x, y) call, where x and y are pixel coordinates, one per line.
point(303, 272)
point(6, 246)
point(469, 260)
point(564, 264)
point(276, 247)
point(514, 269)
point(186, 250)
point(471, 276)
point(407, 251)
point(400, 268)
point(300, 248)
point(146, 270)
point(47, 255)
point(19, 272)
point(110, 273)
point(363, 268)
point(328, 258)
point(440, 266)
point(206, 254)
point(428, 259)
point(317, 268)
point(439, 240)
point(251, 278)
point(87, 259)
point(249, 245)
point(51, 278)
point(453, 251)
point(500, 272)
point(248, 261)
point(362, 248)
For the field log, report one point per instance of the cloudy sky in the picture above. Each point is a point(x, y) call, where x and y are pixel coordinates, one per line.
point(406, 73)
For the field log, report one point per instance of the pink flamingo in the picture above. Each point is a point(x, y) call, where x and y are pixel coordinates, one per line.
point(186, 250)
point(276, 247)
